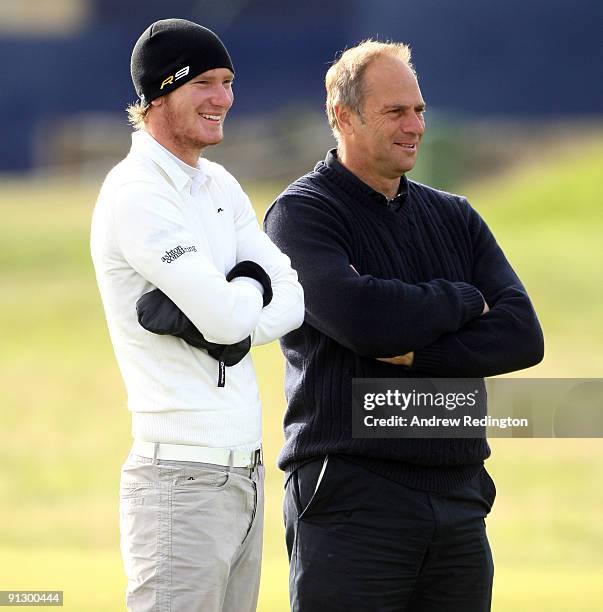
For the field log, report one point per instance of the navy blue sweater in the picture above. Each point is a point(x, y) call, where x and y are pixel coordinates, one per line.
point(423, 266)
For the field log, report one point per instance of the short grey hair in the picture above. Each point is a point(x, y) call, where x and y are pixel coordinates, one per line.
point(344, 79)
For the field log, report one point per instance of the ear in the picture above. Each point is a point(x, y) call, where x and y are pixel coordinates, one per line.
point(344, 117)
point(157, 101)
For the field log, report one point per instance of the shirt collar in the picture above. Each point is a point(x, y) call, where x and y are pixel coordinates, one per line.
point(178, 171)
point(359, 189)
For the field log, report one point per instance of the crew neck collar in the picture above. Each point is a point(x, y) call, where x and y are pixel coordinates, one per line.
point(357, 187)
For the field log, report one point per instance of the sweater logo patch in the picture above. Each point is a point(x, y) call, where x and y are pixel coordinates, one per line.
point(176, 252)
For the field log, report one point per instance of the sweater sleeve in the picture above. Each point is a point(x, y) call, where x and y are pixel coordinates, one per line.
point(505, 339)
point(154, 239)
point(370, 316)
point(286, 310)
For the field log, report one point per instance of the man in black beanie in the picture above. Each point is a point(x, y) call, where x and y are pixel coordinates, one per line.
point(168, 55)
point(189, 282)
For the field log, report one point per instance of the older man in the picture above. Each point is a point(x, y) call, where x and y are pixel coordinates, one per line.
point(188, 282)
point(400, 280)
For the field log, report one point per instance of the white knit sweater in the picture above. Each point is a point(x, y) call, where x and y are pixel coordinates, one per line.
point(160, 224)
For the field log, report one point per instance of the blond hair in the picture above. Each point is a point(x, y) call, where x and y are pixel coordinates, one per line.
point(137, 114)
point(344, 79)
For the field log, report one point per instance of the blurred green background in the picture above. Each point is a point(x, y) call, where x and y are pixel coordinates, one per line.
point(66, 427)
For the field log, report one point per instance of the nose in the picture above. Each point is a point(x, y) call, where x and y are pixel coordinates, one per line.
point(413, 123)
point(222, 96)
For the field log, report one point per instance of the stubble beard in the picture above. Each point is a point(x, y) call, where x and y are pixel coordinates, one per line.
point(181, 137)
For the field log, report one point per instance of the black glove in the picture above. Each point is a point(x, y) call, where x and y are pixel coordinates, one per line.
point(159, 315)
point(250, 269)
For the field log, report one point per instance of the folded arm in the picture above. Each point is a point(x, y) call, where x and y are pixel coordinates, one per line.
point(154, 239)
point(159, 315)
point(286, 310)
point(505, 339)
point(370, 316)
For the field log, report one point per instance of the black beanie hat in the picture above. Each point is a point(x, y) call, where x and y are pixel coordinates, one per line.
point(171, 52)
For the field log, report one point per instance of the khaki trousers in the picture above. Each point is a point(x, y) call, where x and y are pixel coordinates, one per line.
point(191, 535)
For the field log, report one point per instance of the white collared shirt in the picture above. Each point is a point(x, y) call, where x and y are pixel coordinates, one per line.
point(159, 223)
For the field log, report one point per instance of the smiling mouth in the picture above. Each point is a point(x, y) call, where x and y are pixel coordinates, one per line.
point(410, 147)
point(212, 118)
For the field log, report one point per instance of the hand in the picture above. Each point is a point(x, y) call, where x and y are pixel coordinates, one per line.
point(250, 269)
point(403, 360)
point(229, 354)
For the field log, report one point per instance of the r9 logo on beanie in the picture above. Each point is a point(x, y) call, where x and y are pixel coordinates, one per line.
point(172, 78)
